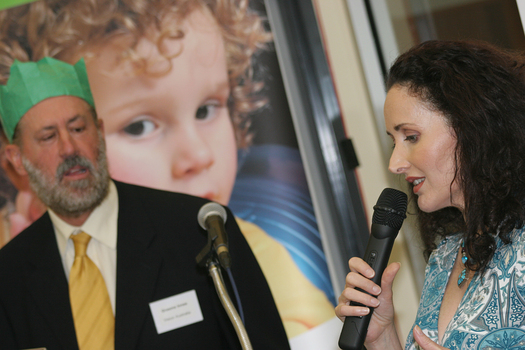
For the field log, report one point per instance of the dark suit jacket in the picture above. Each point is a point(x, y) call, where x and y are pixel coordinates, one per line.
point(158, 240)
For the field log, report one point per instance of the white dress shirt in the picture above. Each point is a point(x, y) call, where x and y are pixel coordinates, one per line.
point(101, 225)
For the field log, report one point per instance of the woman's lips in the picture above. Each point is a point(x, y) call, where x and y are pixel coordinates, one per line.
point(417, 183)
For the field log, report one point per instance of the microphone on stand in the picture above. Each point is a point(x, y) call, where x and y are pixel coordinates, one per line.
point(389, 213)
point(212, 217)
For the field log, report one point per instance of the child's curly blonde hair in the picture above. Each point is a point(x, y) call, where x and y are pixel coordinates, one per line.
point(63, 28)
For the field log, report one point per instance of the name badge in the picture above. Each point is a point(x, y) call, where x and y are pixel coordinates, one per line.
point(176, 311)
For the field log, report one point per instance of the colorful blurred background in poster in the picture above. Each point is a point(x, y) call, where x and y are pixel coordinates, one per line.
point(270, 195)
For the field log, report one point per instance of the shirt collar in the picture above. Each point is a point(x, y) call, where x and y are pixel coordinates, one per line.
point(100, 225)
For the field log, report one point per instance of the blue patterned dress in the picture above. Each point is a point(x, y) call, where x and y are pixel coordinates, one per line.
point(491, 314)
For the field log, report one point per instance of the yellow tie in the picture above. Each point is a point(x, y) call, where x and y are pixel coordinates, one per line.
point(92, 313)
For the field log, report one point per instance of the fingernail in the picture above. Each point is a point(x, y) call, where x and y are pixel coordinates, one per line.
point(364, 311)
point(374, 302)
point(376, 289)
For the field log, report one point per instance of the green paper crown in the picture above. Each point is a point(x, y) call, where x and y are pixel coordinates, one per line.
point(32, 82)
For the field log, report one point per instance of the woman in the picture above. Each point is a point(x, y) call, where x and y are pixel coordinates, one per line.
point(456, 114)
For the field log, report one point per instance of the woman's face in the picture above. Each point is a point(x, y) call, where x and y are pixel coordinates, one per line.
point(170, 131)
point(424, 147)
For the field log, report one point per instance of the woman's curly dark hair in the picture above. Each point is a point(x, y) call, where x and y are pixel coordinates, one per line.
point(480, 89)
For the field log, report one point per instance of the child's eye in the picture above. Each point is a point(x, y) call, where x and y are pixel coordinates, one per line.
point(206, 111)
point(139, 128)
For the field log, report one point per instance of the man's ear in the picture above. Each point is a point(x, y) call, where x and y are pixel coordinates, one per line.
point(100, 126)
point(13, 155)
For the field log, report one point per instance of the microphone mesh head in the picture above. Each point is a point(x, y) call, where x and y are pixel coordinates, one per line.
point(208, 209)
point(390, 209)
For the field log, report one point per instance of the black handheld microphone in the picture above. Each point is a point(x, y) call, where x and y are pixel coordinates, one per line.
point(389, 213)
point(212, 217)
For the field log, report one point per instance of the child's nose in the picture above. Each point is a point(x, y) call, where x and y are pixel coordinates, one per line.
point(193, 156)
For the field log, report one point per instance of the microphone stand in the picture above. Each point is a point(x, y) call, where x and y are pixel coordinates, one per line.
point(226, 302)
point(208, 258)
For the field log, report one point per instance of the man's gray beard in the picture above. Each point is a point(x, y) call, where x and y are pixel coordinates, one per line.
point(76, 197)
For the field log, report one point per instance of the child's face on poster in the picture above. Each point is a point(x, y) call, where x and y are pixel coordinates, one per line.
point(170, 131)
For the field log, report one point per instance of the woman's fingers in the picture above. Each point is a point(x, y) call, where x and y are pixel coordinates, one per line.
point(343, 310)
point(355, 280)
point(424, 342)
point(387, 279)
point(360, 266)
point(358, 296)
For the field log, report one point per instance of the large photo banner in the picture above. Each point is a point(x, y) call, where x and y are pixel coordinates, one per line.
point(192, 100)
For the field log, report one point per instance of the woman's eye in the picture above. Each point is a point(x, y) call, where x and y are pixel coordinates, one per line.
point(411, 138)
point(206, 111)
point(140, 128)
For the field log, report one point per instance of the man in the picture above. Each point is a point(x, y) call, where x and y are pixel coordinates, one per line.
point(141, 243)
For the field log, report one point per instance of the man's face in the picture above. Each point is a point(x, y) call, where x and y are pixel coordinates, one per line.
point(62, 150)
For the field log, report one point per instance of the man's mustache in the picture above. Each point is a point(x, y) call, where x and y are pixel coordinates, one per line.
point(70, 162)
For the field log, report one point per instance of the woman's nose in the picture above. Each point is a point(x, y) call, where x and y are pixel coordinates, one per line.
point(398, 162)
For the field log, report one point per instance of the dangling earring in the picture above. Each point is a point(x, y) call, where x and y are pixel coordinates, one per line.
point(464, 259)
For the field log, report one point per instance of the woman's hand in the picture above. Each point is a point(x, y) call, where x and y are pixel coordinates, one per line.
point(424, 342)
point(381, 330)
